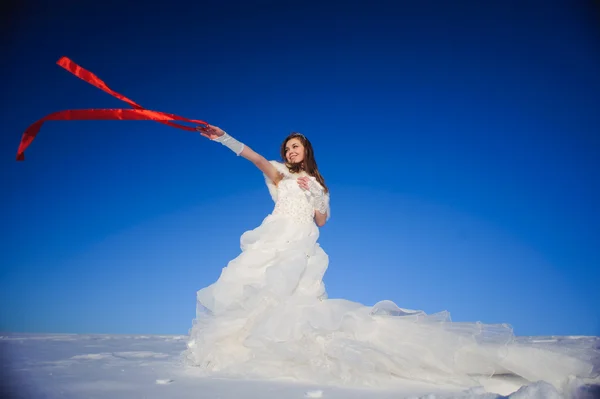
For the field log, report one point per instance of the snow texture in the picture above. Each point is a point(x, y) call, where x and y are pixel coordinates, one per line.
point(119, 367)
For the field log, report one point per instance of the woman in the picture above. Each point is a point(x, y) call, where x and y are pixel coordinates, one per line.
point(268, 314)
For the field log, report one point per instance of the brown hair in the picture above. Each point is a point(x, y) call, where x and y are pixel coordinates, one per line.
point(309, 164)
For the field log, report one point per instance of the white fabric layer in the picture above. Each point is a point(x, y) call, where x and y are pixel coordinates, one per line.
point(268, 316)
point(286, 194)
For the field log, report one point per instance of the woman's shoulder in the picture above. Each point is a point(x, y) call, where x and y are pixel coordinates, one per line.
point(280, 167)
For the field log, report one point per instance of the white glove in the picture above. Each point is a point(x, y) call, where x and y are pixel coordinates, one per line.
point(230, 143)
point(320, 202)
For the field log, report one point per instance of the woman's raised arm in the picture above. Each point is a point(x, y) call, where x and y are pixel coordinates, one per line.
point(215, 133)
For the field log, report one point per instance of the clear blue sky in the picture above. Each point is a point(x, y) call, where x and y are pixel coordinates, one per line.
point(460, 143)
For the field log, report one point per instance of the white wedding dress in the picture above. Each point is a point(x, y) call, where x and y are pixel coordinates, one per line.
point(268, 316)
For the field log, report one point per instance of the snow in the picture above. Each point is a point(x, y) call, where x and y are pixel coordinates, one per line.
point(145, 366)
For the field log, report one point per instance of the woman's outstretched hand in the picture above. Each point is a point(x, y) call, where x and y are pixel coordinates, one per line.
point(210, 131)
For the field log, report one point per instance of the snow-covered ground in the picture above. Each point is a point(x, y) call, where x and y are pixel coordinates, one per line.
point(150, 366)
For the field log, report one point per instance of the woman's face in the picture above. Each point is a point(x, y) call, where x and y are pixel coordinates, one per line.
point(294, 151)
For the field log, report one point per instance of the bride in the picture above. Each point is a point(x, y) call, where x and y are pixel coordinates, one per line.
point(268, 315)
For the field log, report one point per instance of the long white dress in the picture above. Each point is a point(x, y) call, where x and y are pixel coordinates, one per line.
point(268, 316)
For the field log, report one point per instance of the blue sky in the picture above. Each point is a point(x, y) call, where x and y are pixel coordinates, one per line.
point(460, 144)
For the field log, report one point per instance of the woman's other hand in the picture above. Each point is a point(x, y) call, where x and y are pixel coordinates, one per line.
point(303, 182)
point(210, 131)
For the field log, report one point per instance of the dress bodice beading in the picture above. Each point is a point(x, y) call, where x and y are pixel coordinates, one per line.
point(290, 200)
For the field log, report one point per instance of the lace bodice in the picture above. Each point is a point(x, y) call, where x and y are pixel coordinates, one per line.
point(290, 199)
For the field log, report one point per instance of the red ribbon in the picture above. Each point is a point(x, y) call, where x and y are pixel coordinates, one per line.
point(138, 113)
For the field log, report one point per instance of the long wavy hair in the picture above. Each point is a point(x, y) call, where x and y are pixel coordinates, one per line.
point(309, 164)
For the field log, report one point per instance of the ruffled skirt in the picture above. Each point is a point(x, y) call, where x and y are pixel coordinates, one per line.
point(268, 316)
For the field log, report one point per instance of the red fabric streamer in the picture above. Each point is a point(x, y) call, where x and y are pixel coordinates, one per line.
point(138, 113)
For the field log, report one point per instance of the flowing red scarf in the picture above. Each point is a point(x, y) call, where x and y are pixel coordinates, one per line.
point(138, 113)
